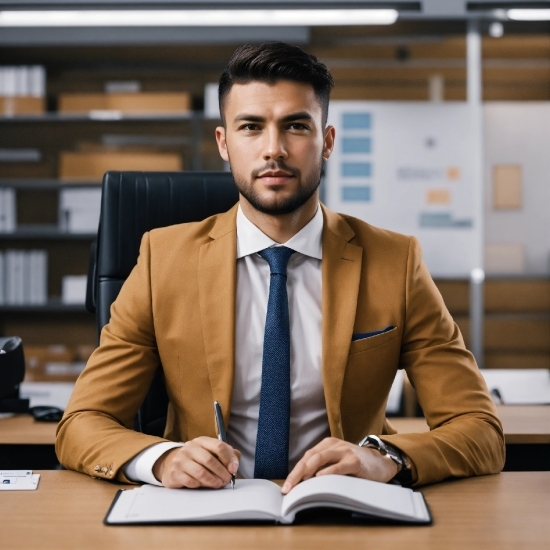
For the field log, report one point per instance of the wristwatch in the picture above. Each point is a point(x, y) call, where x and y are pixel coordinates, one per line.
point(404, 473)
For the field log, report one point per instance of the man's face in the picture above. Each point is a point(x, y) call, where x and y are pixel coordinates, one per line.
point(275, 143)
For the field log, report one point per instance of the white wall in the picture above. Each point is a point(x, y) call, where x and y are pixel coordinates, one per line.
point(519, 133)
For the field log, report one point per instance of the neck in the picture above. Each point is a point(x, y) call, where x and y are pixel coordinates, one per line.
point(282, 227)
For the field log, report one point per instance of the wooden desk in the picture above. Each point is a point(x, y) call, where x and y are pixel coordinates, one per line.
point(522, 424)
point(27, 444)
point(23, 429)
point(505, 511)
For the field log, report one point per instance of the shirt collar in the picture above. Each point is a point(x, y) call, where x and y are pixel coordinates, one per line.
point(307, 241)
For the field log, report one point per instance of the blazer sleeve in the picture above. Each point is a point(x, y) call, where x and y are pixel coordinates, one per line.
point(95, 435)
point(465, 436)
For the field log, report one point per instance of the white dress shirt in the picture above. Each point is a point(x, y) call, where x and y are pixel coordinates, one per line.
point(308, 417)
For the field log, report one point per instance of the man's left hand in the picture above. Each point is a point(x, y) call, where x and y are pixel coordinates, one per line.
point(334, 456)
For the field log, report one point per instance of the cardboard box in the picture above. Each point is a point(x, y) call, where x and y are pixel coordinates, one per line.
point(137, 103)
point(55, 363)
point(38, 361)
point(92, 165)
point(12, 106)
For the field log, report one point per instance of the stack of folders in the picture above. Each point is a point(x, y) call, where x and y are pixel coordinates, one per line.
point(8, 220)
point(23, 277)
point(23, 81)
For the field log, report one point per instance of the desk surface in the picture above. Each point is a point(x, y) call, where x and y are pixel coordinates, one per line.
point(505, 511)
point(22, 429)
point(522, 424)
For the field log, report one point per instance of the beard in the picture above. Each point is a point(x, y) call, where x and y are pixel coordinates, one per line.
point(279, 206)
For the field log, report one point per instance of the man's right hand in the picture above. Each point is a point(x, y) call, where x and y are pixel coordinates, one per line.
point(201, 462)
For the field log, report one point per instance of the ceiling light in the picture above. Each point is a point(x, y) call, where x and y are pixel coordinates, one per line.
point(195, 18)
point(529, 15)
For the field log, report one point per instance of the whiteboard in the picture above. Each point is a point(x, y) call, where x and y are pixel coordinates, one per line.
point(414, 168)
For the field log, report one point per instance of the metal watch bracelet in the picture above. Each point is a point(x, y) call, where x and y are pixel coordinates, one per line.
point(404, 475)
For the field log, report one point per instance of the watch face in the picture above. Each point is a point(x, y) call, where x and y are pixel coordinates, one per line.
point(375, 442)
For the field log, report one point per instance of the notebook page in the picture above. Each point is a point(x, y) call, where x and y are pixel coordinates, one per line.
point(251, 499)
point(119, 512)
point(390, 501)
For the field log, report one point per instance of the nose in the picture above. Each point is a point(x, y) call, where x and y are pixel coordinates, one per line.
point(275, 146)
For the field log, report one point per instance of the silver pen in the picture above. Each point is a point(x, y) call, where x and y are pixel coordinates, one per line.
point(222, 436)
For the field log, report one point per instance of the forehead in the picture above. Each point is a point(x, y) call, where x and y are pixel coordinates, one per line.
point(271, 100)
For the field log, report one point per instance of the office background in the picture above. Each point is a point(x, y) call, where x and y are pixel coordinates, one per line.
point(95, 93)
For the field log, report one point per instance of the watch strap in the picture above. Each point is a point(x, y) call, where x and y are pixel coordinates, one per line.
point(404, 475)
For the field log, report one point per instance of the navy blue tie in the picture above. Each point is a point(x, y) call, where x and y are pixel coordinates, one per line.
point(274, 418)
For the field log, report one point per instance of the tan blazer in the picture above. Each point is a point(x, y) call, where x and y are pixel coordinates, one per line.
point(177, 308)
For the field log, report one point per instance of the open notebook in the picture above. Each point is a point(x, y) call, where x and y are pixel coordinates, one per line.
point(261, 500)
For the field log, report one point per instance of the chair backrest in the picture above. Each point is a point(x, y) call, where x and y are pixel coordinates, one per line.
point(131, 204)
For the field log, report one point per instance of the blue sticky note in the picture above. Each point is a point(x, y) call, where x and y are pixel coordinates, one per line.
point(356, 169)
point(362, 193)
point(356, 121)
point(356, 145)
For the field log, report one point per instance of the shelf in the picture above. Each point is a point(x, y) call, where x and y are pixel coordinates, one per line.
point(524, 315)
point(53, 306)
point(45, 183)
point(104, 116)
point(45, 232)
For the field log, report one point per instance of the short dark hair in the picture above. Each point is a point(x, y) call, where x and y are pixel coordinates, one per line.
point(272, 62)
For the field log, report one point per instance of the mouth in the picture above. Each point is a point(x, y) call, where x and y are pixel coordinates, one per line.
point(275, 177)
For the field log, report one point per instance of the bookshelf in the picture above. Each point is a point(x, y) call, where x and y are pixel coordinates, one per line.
point(366, 63)
point(54, 331)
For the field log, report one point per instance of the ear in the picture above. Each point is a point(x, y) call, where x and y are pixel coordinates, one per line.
point(222, 144)
point(328, 144)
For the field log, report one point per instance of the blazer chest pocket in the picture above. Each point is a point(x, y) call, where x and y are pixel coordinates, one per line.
point(370, 340)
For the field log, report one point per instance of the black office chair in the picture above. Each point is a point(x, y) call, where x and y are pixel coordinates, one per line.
point(131, 204)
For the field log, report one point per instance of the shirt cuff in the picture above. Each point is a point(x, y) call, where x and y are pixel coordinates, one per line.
point(140, 468)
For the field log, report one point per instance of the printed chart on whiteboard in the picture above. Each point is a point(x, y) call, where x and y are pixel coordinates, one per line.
point(411, 167)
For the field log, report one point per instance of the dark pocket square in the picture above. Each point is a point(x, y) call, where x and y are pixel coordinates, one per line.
point(363, 335)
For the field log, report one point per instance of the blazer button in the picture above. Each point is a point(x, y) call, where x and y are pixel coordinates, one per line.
point(104, 470)
point(97, 469)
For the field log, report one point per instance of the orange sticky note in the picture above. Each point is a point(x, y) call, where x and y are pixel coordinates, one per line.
point(438, 196)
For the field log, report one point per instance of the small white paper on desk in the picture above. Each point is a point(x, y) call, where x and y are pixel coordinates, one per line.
point(18, 480)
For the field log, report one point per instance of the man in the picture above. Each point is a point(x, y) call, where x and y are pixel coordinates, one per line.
point(301, 352)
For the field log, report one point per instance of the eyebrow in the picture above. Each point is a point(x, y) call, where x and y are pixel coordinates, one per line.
point(302, 115)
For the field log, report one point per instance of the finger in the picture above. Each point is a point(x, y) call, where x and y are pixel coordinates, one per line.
point(194, 475)
point(196, 462)
point(294, 477)
point(320, 459)
point(299, 473)
point(205, 458)
point(344, 467)
point(312, 461)
point(228, 456)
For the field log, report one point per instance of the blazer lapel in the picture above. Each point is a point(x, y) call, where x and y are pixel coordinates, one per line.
point(341, 276)
point(217, 290)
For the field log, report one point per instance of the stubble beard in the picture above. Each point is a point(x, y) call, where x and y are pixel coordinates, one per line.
point(279, 206)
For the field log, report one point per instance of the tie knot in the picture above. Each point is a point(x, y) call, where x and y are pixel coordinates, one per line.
point(277, 257)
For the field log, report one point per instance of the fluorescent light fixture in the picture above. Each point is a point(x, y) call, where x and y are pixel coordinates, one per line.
point(529, 14)
point(196, 18)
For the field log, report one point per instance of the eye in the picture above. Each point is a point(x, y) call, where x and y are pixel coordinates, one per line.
point(250, 127)
point(298, 126)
